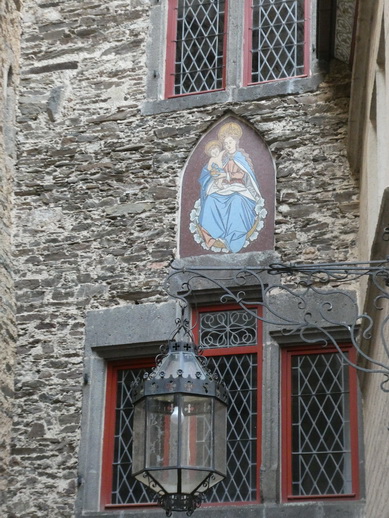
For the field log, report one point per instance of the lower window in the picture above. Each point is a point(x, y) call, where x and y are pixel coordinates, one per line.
point(230, 339)
point(320, 424)
point(119, 488)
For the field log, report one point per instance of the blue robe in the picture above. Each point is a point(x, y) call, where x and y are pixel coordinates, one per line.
point(229, 217)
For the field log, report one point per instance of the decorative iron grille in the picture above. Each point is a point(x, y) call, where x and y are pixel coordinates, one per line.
point(321, 451)
point(199, 46)
point(227, 329)
point(277, 39)
point(302, 301)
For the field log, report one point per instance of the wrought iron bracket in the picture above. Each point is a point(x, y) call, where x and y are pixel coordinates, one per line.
point(301, 303)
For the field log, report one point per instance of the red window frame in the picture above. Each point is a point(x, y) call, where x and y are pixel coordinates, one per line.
point(231, 351)
point(113, 369)
point(286, 422)
point(171, 36)
point(247, 45)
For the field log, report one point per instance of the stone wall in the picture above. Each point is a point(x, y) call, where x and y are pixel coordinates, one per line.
point(375, 399)
point(376, 428)
point(96, 215)
point(369, 157)
point(9, 70)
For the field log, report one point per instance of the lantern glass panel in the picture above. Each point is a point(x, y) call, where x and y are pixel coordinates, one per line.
point(197, 432)
point(161, 433)
point(192, 481)
point(167, 479)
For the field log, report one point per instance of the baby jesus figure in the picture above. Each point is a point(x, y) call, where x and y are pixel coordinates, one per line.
point(214, 150)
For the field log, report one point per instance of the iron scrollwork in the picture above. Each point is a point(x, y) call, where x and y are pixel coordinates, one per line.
point(309, 303)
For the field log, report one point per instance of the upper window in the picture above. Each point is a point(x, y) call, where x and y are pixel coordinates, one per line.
point(196, 46)
point(274, 43)
point(278, 40)
point(320, 423)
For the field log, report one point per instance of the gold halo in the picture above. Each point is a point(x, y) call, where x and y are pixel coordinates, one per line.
point(231, 129)
point(211, 144)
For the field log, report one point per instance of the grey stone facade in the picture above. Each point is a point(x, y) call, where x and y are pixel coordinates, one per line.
point(9, 72)
point(96, 207)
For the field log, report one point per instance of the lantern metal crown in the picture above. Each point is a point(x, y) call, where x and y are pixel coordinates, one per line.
point(180, 428)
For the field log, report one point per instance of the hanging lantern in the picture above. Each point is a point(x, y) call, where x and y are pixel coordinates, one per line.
point(180, 421)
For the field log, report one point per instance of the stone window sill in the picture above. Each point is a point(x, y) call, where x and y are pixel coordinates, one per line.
point(311, 509)
point(233, 95)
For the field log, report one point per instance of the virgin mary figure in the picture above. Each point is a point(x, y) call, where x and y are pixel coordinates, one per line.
point(230, 211)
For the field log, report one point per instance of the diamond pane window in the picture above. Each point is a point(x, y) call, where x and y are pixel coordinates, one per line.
point(196, 46)
point(278, 40)
point(230, 339)
point(125, 489)
point(233, 353)
point(118, 486)
point(320, 443)
point(240, 374)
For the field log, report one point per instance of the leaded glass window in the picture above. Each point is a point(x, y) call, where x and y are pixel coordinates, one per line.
point(125, 488)
point(240, 374)
point(322, 426)
point(278, 39)
point(199, 46)
point(230, 341)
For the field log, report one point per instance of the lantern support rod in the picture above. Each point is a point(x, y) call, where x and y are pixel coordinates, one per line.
point(318, 302)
